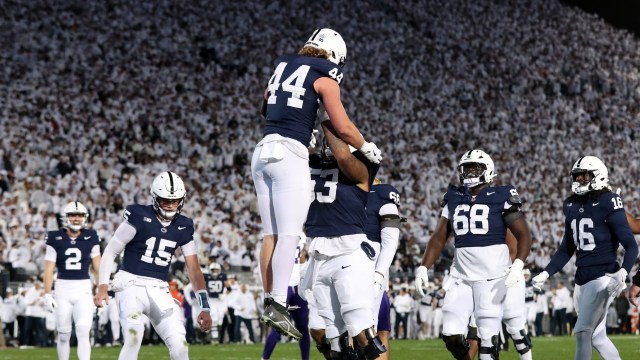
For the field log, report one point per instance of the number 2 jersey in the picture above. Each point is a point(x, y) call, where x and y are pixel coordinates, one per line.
point(293, 103)
point(479, 230)
point(72, 256)
point(594, 228)
point(150, 251)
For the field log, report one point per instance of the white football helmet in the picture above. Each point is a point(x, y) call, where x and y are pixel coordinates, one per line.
point(594, 167)
point(215, 268)
point(475, 168)
point(168, 185)
point(330, 41)
point(74, 208)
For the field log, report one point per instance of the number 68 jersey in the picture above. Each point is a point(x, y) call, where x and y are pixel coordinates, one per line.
point(480, 231)
point(150, 251)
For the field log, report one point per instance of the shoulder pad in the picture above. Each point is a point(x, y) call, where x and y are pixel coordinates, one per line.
point(388, 193)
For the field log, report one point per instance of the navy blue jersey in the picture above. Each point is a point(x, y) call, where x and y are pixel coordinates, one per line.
point(479, 221)
point(428, 298)
point(292, 104)
point(150, 251)
point(379, 195)
point(73, 255)
point(594, 228)
point(338, 206)
point(215, 285)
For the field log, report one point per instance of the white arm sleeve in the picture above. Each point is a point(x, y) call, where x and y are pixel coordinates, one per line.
point(123, 235)
point(51, 254)
point(389, 241)
point(95, 251)
point(189, 248)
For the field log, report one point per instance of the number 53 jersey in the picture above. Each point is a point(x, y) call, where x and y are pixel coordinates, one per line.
point(150, 251)
point(480, 231)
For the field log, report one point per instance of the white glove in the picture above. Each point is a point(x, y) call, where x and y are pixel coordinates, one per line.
point(514, 273)
point(371, 151)
point(378, 282)
point(538, 280)
point(313, 141)
point(617, 282)
point(422, 279)
point(49, 303)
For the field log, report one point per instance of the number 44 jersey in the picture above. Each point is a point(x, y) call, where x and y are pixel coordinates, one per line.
point(73, 256)
point(480, 230)
point(150, 251)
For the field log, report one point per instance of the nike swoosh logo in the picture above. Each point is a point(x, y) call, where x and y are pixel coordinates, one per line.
point(87, 237)
point(344, 267)
point(181, 227)
point(491, 193)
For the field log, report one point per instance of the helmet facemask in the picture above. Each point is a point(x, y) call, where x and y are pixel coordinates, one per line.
point(167, 188)
point(77, 209)
point(472, 174)
point(588, 174)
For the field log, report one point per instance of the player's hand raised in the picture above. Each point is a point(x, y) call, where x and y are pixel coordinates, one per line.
point(371, 151)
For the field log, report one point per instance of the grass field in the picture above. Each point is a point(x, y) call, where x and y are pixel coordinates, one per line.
point(545, 348)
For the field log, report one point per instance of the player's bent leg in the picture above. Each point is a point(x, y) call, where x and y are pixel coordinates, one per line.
point(489, 348)
point(131, 321)
point(603, 344)
point(84, 342)
point(457, 346)
point(522, 341)
point(172, 332)
point(64, 346)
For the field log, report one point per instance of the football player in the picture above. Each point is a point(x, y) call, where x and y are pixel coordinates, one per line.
point(341, 256)
point(634, 291)
point(279, 166)
point(72, 250)
point(595, 225)
point(300, 315)
point(479, 215)
point(383, 229)
point(149, 237)
point(216, 282)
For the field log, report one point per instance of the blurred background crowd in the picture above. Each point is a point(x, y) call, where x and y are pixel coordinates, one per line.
point(98, 97)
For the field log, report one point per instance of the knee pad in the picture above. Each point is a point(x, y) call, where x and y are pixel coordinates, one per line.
point(472, 333)
point(521, 338)
point(64, 337)
point(348, 352)
point(493, 350)
point(324, 347)
point(374, 346)
point(457, 345)
point(178, 349)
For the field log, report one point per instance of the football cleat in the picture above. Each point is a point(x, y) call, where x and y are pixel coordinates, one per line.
point(277, 316)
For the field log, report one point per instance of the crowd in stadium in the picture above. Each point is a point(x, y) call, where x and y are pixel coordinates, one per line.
point(99, 97)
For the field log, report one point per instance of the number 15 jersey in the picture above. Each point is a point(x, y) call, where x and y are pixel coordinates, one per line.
point(150, 251)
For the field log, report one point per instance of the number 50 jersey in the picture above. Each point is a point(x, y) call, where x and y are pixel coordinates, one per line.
point(150, 251)
point(480, 230)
